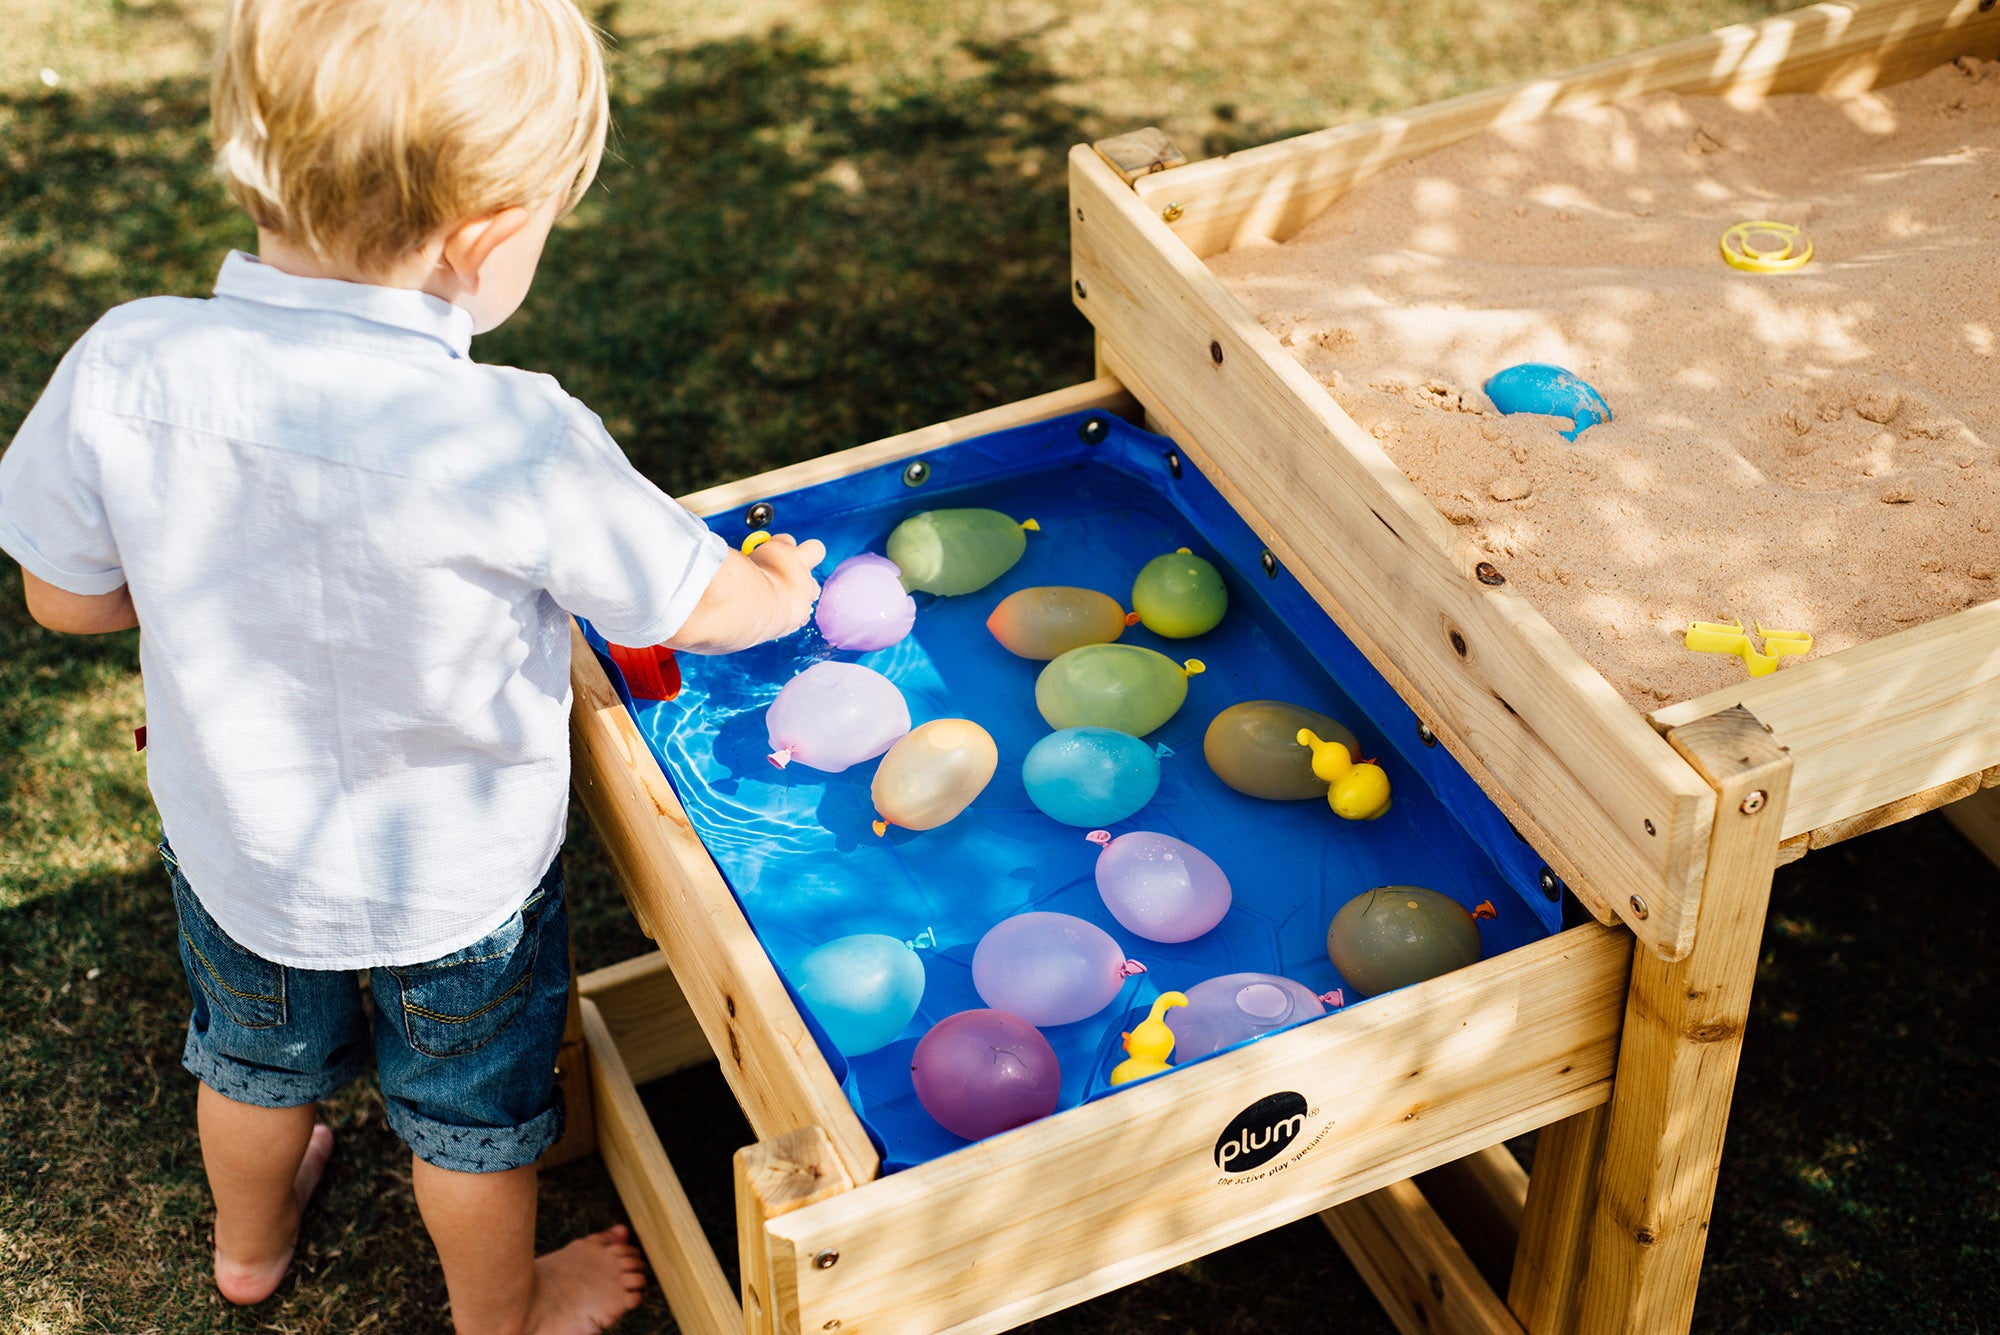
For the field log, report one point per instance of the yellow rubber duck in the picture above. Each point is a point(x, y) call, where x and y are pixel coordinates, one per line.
point(1150, 1042)
point(1356, 790)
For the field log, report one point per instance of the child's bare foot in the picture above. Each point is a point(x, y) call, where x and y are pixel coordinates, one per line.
point(253, 1281)
point(587, 1285)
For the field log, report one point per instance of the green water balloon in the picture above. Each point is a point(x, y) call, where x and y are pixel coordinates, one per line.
point(1395, 935)
point(1179, 595)
point(956, 551)
point(1253, 747)
point(1118, 686)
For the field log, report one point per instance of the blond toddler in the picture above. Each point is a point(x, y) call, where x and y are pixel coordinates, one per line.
point(354, 552)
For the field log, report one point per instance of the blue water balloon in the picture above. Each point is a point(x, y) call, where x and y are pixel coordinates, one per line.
point(1537, 387)
point(1090, 776)
point(863, 989)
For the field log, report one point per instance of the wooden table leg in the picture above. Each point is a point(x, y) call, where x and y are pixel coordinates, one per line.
point(1683, 1033)
point(573, 1077)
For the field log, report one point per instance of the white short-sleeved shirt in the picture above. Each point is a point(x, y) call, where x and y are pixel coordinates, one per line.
point(352, 550)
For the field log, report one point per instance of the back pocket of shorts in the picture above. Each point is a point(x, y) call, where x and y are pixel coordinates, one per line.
point(457, 1004)
point(247, 988)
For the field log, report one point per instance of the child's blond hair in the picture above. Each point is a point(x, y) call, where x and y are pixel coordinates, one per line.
point(363, 128)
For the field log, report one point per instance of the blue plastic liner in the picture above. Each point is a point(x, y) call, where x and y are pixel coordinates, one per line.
point(797, 848)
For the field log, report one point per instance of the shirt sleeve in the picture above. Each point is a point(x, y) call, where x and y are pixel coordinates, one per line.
point(622, 553)
point(52, 517)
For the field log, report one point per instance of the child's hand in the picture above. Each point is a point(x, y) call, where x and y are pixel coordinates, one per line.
point(754, 598)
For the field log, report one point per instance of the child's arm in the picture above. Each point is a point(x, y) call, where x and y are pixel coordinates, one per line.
point(754, 598)
point(78, 613)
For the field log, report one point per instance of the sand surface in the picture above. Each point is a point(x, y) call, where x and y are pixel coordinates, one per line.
point(1816, 450)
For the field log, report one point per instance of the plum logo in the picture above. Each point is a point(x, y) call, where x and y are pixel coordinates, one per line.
point(1257, 1134)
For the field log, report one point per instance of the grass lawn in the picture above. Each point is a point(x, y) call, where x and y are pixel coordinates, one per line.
point(824, 223)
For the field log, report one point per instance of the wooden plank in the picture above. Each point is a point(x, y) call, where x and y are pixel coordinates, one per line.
point(657, 1032)
point(770, 1060)
point(1580, 773)
point(1056, 1211)
point(1682, 1036)
point(699, 1294)
point(1480, 1199)
point(1102, 394)
point(1870, 725)
point(1546, 1288)
point(1139, 153)
point(1978, 818)
point(1273, 190)
point(1415, 1266)
point(773, 1178)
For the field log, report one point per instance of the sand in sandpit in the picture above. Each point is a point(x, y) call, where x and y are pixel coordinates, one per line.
point(1814, 450)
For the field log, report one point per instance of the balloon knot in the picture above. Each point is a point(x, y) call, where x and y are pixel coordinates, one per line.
point(1335, 998)
point(1162, 750)
point(1182, 551)
point(924, 940)
point(781, 758)
point(1099, 837)
point(1194, 667)
point(1131, 618)
point(1031, 526)
point(1129, 968)
point(1485, 910)
point(881, 828)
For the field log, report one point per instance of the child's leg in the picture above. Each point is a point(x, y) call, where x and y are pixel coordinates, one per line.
point(484, 1228)
point(263, 1164)
point(466, 1045)
point(267, 1042)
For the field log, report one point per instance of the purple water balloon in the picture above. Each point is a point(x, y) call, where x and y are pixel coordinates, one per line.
point(980, 1072)
point(1236, 1006)
point(863, 604)
point(1049, 968)
point(1159, 887)
point(833, 715)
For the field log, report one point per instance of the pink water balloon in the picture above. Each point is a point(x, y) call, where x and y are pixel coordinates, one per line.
point(1049, 968)
point(1159, 887)
point(980, 1072)
point(1225, 1010)
point(863, 604)
point(834, 715)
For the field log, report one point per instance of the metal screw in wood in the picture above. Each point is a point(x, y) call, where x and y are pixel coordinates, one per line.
point(1173, 463)
point(759, 515)
point(1269, 564)
point(916, 473)
point(1489, 573)
point(1753, 804)
point(825, 1260)
point(1171, 213)
point(1639, 909)
point(1425, 735)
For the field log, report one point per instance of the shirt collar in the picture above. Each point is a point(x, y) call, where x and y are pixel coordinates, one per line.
point(250, 279)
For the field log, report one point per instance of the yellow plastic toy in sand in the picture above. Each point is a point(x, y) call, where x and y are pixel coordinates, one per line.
point(1781, 258)
point(1714, 637)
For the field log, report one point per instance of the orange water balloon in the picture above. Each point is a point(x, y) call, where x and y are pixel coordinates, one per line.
point(1053, 619)
point(933, 773)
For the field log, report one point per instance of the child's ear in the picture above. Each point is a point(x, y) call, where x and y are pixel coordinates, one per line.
point(471, 243)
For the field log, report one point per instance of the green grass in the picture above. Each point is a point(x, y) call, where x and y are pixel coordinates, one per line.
point(823, 224)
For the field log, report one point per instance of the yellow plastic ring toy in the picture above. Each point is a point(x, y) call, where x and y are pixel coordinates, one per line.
point(1782, 259)
point(756, 540)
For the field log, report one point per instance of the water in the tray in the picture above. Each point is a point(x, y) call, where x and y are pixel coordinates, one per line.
point(798, 844)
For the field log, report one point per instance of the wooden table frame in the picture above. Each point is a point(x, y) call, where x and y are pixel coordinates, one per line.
point(1618, 1038)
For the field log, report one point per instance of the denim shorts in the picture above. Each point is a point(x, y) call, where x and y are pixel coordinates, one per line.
point(465, 1045)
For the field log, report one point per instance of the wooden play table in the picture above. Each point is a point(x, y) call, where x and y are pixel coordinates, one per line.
point(1617, 1038)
